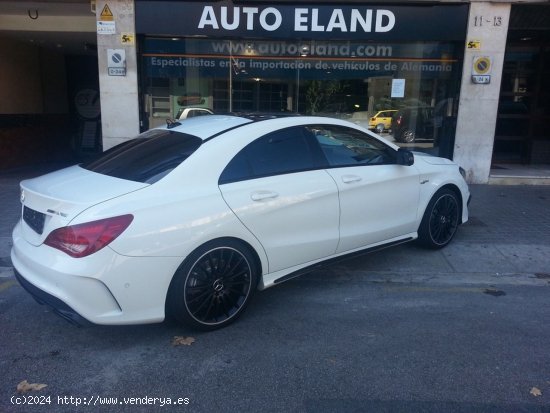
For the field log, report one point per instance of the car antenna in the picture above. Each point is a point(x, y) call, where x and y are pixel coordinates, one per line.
point(171, 123)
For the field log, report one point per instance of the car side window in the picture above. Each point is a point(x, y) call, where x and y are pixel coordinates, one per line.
point(285, 151)
point(343, 146)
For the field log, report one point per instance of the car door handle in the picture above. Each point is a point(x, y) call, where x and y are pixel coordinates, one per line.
point(261, 195)
point(348, 179)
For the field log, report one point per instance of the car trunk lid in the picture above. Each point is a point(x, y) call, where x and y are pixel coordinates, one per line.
point(54, 200)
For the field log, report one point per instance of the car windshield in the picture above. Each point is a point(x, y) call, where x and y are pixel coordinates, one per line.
point(147, 158)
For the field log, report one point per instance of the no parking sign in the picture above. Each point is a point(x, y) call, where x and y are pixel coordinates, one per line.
point(116, 62)
point(481, 69)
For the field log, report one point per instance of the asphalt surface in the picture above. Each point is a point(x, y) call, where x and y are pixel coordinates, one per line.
point(463, 329)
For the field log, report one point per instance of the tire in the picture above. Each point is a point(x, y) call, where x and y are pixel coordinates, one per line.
point(379, 128)
point(408, 136)
point(213, 286)
point(440, 221)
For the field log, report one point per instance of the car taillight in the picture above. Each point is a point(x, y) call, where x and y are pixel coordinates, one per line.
point(84, 239)
point(398, 120)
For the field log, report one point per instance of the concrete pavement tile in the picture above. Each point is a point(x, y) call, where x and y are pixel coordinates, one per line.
point(477, 258)
point(527, 258)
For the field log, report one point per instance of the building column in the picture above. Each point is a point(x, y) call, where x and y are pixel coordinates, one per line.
point(118, 80)
point(478, 105)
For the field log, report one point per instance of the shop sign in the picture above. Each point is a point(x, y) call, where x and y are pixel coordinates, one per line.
point(305, 19)
point(437, 22)
point(314, 59)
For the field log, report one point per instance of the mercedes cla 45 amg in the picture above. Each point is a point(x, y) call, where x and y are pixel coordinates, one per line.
point(189, 220)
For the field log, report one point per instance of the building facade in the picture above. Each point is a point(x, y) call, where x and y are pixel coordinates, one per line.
point(463, 80)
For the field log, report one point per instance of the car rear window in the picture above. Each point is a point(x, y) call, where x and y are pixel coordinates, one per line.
point(147, 158)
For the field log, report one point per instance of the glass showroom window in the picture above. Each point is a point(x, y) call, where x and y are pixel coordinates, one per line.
point(354, 80)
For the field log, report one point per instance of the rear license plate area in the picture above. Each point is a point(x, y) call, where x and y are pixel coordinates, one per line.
point(34, 219)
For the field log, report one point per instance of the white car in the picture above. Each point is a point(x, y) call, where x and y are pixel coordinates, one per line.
point(188, 220)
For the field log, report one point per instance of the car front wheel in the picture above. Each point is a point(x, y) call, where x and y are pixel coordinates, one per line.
point(213, 286)
point(440, 221)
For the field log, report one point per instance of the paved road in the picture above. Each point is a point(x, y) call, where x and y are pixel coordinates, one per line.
point(464, 329)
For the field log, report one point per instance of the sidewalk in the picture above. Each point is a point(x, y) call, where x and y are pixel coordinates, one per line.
point(505, 241)
point(508, 235)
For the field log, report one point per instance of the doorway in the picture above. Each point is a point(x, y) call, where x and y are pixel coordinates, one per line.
point(522, 136)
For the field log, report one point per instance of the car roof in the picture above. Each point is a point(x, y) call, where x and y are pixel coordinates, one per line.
point(209, 127)
point(217, 124)
point(197, 126)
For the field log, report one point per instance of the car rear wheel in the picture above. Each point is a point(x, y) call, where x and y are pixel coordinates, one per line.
point(440, 220)
point(213, 286)
point(408, 136)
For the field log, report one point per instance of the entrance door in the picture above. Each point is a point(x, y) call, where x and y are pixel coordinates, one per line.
point(522, 134)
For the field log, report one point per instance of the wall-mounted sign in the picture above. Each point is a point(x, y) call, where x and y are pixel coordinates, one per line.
point(128, 39)
point(474, 45)
point(319, 21)
point(106, 14)
point(116, 62)
point(106, 27)
point(314, 59)
point(481, 70)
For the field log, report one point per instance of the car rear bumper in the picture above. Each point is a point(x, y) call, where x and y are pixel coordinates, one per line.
point(58, 306)
point(103, 288)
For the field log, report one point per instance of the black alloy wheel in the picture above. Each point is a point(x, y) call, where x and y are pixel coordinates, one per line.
point(213, 286)
point(441, 219)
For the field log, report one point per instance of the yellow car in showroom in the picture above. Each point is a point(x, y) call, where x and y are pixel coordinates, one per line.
point(381, 121)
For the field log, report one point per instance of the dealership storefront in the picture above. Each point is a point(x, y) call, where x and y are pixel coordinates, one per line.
point(436, 69)
point(465, 80)
point(344, 61)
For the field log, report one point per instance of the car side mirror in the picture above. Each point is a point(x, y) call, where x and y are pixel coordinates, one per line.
point(405, 157)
